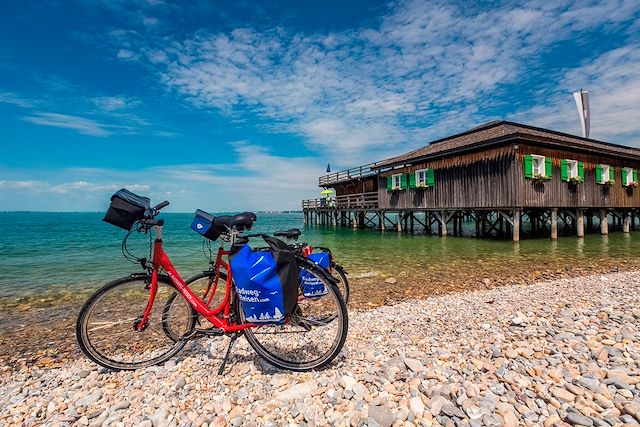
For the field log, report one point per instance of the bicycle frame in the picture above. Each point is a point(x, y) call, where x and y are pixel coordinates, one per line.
point(161, 260)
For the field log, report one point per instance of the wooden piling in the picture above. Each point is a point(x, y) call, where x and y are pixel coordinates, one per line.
point(604, 222)
point(580, 223)
point(516, 225)
point(626, 222)
point(443, 223)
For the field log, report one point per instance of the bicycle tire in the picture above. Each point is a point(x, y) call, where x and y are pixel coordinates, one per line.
point(166, 325)
point(337, 271)
point(271, 342)
point(110, 309)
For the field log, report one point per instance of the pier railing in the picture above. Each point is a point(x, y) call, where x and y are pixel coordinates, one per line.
point(346, 175)
point(347, 201)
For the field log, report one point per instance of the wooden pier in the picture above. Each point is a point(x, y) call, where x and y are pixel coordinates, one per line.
point(515, 224)
point(501, 179)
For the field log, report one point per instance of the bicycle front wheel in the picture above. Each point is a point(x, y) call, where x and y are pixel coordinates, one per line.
point(312, 336)
point(108, 325)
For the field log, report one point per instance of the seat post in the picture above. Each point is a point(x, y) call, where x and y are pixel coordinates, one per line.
point(159, 232)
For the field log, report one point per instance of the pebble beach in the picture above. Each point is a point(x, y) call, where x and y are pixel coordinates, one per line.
point(561, 352)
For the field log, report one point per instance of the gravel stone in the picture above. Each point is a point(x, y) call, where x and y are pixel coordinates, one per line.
point(381, 415)
point(460, 353)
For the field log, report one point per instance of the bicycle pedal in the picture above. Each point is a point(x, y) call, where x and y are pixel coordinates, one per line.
point(210, 332)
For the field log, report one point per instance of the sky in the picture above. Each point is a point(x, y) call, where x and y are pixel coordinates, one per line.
point(229, 106)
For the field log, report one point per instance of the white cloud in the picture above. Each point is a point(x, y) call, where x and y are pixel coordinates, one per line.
point(113, 103)
point(258, 180)
point(80, 124)
point(613, 80)
point(118, 114)
point(126, 54)
point(149, 21)
point(357, 94)
point(13, 99)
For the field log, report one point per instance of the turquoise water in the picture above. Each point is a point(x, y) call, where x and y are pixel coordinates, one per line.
point(49, 253)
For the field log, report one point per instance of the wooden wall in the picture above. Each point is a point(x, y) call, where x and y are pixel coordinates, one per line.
point(483, 179)
point(493, 178)
point(559, 194)
point(361, 185)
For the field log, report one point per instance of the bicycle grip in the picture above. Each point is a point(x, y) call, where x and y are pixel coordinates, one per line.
point(161, 205)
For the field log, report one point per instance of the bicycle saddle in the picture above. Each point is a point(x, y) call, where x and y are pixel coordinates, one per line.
point(243, 221)
point(293, 233)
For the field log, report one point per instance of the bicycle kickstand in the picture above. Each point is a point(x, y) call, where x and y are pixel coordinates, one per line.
point(234, 337)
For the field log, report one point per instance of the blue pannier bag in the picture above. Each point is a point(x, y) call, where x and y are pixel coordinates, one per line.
point(266, 281)
point(311, 285)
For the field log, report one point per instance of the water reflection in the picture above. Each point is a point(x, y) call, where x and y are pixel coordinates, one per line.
point(604, 245)
point(580, 246)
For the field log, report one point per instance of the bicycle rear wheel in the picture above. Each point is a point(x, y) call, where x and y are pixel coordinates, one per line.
point(340, 275)
point(107, 326)
point(204, 286)
point(312, 336)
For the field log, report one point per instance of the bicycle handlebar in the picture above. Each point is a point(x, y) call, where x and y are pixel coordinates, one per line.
point(161, 205)
point(150, 222)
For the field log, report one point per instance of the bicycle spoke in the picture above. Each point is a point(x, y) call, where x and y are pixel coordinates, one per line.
point(103, 325)
point(311, 337)
point(108, 325)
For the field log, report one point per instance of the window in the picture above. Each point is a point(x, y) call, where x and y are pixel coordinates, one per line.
point(422, 178)
point(629, 177)
point(606, 174)
point(396, 181)
point(538, 165)
point(572, 169)
point(537, 168)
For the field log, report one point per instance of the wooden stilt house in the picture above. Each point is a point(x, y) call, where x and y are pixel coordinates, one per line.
point(495, 175)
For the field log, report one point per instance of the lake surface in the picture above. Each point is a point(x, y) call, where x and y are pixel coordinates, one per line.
point(62, 255)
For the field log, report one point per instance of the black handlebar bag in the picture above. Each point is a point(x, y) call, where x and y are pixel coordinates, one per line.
point(126, 208)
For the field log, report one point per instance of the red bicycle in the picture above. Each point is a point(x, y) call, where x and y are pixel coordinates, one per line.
point(146, 318)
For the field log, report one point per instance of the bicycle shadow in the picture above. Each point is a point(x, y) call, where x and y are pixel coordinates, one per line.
point(214, 350)
point(241, 355)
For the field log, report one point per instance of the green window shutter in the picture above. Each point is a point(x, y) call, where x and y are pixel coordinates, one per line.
point(403, 181)
point(564, 170)
point(635, 175)
point(412, 180)
point(528, 166)
point(431, 180)
point(598, 174)
point(581, 170)
point(623, 177)
point(547, 167)
point(612, 174)
point(389, 183)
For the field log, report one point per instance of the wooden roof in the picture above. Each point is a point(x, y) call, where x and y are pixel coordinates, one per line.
point(497, 132)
